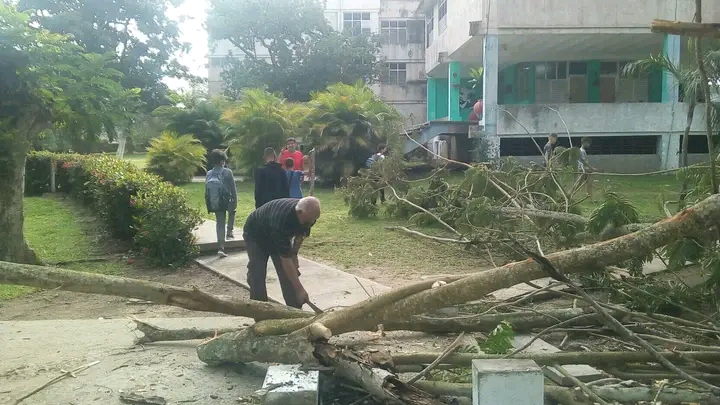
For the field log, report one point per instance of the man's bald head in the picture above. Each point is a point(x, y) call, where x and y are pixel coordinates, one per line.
point(308, 210)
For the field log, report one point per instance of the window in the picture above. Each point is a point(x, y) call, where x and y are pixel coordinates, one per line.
point(428, 32)
point(397, 73)
point(394, 32)
point(416, 31)
point(601, 145)
point(357, 23)
point(429, 28)
point(442, 14)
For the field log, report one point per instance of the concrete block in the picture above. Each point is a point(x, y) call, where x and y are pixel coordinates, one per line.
point(507, 382)
point(287, 384)
point(582, 372)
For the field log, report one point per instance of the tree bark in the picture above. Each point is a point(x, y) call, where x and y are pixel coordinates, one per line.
point(696, 220)
point(522, 322)
point(688, 29)
point(600, 359)
point(684, 148)
point(193, 299)
point(705, 85)
point(13, 152)
point(570, 396)
point(382, 385)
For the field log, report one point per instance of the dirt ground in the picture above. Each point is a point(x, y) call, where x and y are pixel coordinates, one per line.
point(67, 305)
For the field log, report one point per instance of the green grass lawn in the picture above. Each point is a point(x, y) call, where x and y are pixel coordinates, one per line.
point(351, 243)
point(56, 230)
point(138, 159)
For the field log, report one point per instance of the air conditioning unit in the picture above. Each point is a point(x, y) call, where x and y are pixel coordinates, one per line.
point(475, 28)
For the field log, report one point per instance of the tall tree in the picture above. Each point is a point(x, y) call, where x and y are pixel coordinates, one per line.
point(46, 80)
point(288, 47)
point(144, 40)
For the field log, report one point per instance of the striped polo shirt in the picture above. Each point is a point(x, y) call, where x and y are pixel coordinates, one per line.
point(274, 225)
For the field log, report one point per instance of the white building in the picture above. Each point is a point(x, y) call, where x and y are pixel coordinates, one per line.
point(554, 66)
point(402, 51)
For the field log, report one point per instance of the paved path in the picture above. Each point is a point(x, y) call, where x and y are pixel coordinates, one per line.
point(35, 352)
point(327, 287)
point(207, 238)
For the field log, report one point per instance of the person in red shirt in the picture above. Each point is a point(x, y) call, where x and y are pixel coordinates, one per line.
point(292, 152)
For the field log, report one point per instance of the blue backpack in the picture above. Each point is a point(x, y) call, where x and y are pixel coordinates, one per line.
point(371, 160)
point(217, 196)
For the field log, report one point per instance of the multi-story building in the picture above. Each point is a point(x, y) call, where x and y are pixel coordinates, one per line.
point(556, 66)
point(402, 52)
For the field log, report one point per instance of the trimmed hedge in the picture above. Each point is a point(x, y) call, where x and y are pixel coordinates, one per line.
point(136, 206)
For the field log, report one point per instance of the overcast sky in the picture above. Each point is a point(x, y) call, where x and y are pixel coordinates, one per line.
point(193, 31)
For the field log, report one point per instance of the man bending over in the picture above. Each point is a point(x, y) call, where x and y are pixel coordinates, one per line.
point(276, 230)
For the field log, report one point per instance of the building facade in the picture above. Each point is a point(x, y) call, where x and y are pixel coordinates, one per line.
point(402, 52)
point(556, 66)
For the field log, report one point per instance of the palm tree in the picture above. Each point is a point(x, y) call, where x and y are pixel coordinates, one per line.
point(689, 77)
point(175, 157)
point(260, 120)
point(348, 122)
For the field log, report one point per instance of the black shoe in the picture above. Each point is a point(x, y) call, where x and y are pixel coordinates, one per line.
point(230, 235)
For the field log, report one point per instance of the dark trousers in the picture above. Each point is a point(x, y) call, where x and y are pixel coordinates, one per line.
point(257, 274)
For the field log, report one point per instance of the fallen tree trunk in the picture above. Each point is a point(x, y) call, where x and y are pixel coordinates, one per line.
point(414, 299)
point(192, 299)
point(600, 359)
point(571, 396)
point(687, 29)
point(692, 221)
point(522, 322)
point(383, 386)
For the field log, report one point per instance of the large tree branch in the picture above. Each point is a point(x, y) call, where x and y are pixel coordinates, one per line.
point(692, 221)
point(687, 29)
point(192, 299)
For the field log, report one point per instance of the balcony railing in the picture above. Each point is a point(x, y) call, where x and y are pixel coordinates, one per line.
point(596, 119)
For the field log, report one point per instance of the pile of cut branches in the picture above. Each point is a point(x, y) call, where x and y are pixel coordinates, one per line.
point(285, 335)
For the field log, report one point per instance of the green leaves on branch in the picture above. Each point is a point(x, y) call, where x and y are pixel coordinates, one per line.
point(290, 49)
point(614, 212)
point(49, 80)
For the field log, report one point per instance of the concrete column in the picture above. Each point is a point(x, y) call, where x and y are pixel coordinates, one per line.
point(431, 99)
point(669, 148)
point(454, 91)
point(507, 382)
point(489, 146)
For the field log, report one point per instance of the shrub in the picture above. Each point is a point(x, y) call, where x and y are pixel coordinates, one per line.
point(175, 158)
point(136, 206)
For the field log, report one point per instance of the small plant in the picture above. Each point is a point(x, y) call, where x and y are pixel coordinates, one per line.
point(614, 212)
point(175, 158)
point(500, 340)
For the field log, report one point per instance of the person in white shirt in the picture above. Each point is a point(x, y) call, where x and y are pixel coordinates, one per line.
point(584, 168)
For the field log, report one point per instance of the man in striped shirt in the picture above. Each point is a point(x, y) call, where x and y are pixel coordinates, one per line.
point(276, 231)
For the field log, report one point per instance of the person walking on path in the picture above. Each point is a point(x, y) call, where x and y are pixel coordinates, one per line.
point(271, 182)
point(549, 148)
point(584, 168)
point(276, 231)
point(291, 151)
point(295, 179)
point(379, 155)
point(221, 198)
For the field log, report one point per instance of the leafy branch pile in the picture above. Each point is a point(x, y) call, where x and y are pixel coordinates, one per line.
point(653, 346)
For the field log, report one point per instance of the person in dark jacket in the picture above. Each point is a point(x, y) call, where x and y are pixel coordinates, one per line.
point(271, 182)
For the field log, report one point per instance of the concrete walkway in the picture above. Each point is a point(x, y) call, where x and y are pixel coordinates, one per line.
point(327, 287)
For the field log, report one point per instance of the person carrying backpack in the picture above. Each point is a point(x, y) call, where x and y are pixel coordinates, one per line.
point(221, 198)
point(378, 156)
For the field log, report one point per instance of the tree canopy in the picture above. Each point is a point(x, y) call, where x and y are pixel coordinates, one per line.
point(291, 49)
point(142, 40)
